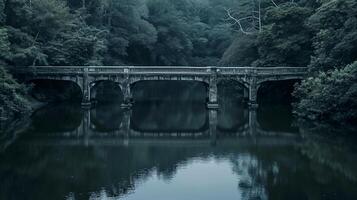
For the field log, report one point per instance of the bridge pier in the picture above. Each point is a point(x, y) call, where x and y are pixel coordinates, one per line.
point(253, 93)
point(85, 86)
point(127, 95)
point(213, 91)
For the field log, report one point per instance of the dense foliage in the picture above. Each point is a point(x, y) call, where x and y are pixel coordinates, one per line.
point(12, 98)
point(330, 95)
point(115, 32)
point(319, 34)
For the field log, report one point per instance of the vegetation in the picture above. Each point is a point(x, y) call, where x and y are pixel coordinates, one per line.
point(319, 34)
point(12, 96)
point(330, 95)
point(109, 32)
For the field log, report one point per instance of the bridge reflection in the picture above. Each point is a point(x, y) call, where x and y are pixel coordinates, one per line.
point(109, 124)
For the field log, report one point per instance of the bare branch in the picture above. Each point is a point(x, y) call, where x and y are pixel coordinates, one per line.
point(276, 5)
point(238, 21)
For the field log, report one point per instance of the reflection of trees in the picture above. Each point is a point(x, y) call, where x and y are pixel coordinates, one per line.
point(84, 169)
point(58, 118)
point(251, 176)
point(10, 131)
point(263, 171)
point(332, 147)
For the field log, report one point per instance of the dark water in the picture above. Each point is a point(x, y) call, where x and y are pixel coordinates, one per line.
point(174, 151)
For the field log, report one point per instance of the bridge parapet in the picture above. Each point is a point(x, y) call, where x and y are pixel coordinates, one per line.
point(261, 70)
point(161, 70)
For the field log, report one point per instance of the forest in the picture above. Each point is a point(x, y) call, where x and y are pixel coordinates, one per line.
point(319, 34)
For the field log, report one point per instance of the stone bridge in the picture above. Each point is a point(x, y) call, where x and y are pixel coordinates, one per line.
point(87, 77)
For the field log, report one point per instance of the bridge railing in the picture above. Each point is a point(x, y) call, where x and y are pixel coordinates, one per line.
point(169, 70)
point(281, 70)
point(261, 70)
point(161, 70)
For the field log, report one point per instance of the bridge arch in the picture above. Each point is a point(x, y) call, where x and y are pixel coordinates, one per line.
point(191, 90)
point(233, 88)
point(52, 90)
point(276, 91)
point(106, 91)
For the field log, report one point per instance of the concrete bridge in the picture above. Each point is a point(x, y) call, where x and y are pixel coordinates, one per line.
point(86, 77)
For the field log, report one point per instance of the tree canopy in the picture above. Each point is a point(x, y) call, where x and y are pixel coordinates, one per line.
point(110, 32)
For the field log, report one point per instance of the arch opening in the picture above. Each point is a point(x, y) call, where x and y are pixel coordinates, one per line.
point(276, 92)
point(47, 90)
point(229, 90)
point(168, 90)
point(45, 121)
point(105, 92)
point(275, 111)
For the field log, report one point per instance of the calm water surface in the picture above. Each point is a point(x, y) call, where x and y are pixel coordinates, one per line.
point(174, 151)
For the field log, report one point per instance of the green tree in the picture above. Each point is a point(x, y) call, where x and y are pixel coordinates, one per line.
point(329, 96)
point(12, 96)
point(2, 12)
point(285, 39)
point(335, 41)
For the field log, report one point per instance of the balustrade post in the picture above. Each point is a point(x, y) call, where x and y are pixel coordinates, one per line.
point(213, 90)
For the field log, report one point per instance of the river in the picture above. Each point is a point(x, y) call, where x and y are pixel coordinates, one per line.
point(174, 151)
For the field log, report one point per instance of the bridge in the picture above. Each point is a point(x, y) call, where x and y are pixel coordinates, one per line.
point(86, 77)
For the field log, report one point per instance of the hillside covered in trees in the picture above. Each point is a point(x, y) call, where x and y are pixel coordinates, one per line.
point(110, 32)
point(320, 34)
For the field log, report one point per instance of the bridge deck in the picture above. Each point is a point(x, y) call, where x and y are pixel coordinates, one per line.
point(161, 70)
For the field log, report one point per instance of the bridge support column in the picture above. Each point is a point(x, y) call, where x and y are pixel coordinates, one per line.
point(253, 92)
point(245, 94)
point(213, 91)
point(127, 96)
point(85, 90)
